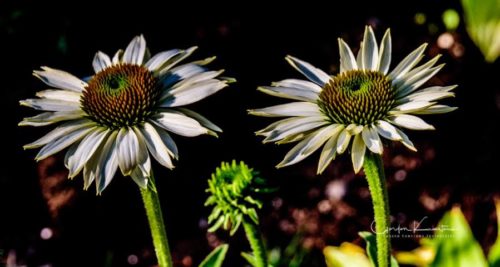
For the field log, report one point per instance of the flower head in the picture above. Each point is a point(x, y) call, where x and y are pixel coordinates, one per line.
point(358, 105)
point(127, 108)
point(234, 190)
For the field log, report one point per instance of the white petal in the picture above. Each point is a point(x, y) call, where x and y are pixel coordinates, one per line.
point(426, 96)
point(290, 93)
point(127, 145)
point(144, 162)
point(118, 57)
point(171, 63)
point(354, 129)
point(407, 63)
point(307, 146)
point(314, 74)
point(294, 126)
point(192, 93)
point(369, 50)
point(388, 131)
point(101, 61)
point(358, 153)
point(299, 84)
point(63, 95)
point(289, 123)
point(157, 146)
point(385, 53)
point(50, 104)
point(436, 109)
point(179, 124)
point(134, 53)
point(416, 81)
point(85, 150)
point(410, 107)
point(359, 57)
point(47, 118)
point(347, 60)
point(202, 120)
point(61, 131)
point(60, 79)
point(62, 142)
point(411, 122)
point(343, 141)
point(197, 78)
point(406, 141)
point(158, 60)
point(329, 150)
point(289, 109)
point(372, 140)
point(180, 73)
point(139, 178)
point(106, 164)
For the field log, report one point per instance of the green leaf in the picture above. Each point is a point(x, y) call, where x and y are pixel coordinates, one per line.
point(346, 255)
point(216, 257)
point(371, 246)
point(454, 243)
point(494, 255)
point(371, 249)
point(249, 257)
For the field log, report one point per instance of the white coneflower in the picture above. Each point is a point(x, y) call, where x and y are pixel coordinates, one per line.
point(123, 111)
point(361, 103)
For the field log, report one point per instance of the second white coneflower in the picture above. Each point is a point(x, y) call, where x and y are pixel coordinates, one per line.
point(354, 108)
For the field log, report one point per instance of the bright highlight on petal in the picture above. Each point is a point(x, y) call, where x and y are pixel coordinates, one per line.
point(122, 116)
point(354, 108)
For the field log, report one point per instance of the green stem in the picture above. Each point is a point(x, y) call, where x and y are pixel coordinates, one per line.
point(155, 219)
point(374, 171)
point(255, 238)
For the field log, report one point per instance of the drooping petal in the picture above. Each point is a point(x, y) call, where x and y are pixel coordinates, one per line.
point(343, 141)
point(406, 141)
point(369, 50)
point(63, 142)
point(388, 131)
point(307, 146)
point(289, 109)
point(372, 140)
point(179, 123)
point(358, 153)
point(299, 85)
point(314, 74)
point(201, 119)
point(101, 61)
point(60, 79)
point(157, 146)
point(85, 150)
point(329, 150)
point(134, 53)
point(411, 122)
point(347, 59)
point(385, 53)
point(105, 164)
point(129, 154)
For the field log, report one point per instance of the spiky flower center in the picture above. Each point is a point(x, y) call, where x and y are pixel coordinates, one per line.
point(357, 96)
point(121, 95)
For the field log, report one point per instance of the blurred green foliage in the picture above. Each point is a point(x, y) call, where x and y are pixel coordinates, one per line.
point(482, 18)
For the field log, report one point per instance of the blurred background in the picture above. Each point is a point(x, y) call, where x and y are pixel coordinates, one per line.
point(47, 220)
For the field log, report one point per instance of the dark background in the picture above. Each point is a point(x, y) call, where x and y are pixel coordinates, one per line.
point(456, 164)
